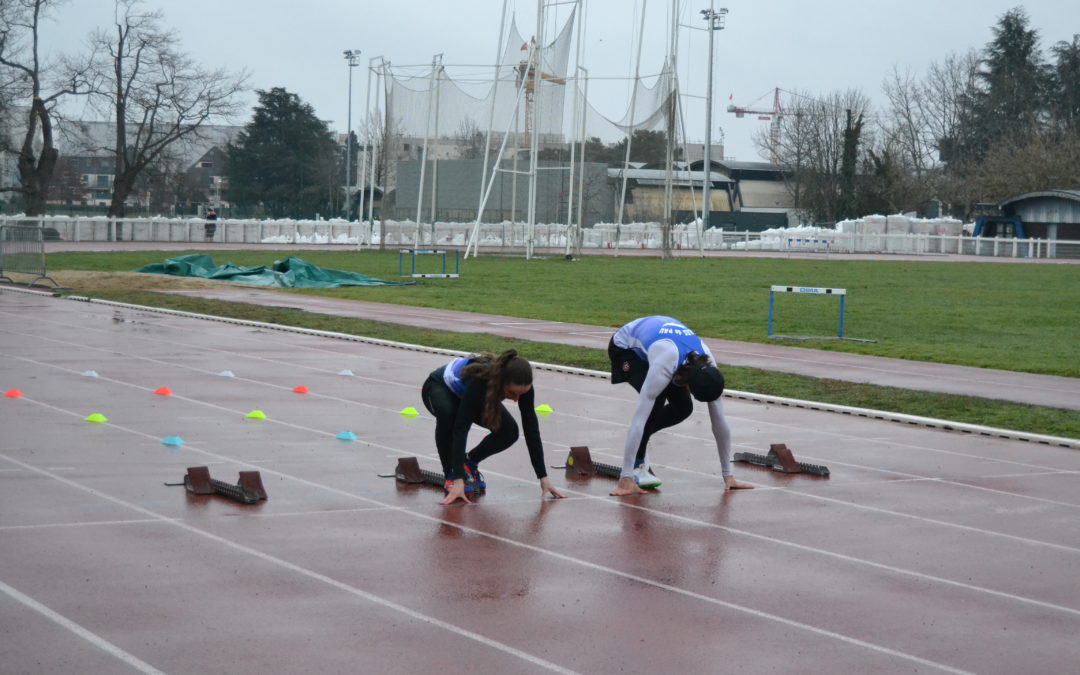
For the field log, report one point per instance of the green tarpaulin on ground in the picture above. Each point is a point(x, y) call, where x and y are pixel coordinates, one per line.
point(288, 273)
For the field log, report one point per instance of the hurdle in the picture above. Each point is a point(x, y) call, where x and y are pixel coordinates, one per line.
point(22, 251)
point(413, 252)
point(809, 290)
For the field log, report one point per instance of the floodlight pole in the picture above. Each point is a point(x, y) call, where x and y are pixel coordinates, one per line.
point(715, 21)
point(352, 56)
point(370, 144)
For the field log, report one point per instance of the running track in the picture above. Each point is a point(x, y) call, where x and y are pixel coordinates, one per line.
point(926, 550)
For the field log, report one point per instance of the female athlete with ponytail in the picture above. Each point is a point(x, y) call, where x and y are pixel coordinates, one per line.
point(470, 390)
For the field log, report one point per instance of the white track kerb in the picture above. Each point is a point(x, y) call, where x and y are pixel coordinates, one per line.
point(730, 393)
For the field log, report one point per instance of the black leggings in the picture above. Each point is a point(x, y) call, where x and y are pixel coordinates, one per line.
point(444, 405)
point(672, 406)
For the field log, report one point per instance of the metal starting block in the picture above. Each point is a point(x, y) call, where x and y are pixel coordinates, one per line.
point(781, 459)
point(409, 471)
point(248, 490)
point(580, 462)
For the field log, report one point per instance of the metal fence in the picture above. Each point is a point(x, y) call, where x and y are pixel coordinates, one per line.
point(512, 237)
point(22, 251)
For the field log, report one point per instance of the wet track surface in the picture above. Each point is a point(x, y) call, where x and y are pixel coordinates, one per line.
point(925, 551)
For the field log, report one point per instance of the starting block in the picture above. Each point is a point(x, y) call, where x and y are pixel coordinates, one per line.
point(580, 462)
point(248, 490)
point(781, 459)
point(408, 471)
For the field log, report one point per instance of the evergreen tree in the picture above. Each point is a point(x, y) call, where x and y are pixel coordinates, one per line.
point(846, 204)
point(648, 147)
point(1010, 97)
point(285, 160)
point(1065, 92)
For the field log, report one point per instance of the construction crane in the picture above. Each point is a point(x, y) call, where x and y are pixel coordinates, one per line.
point(526, 70)
point(772, 116)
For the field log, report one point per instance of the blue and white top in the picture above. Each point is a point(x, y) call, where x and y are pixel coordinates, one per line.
point(641, 334)
point(664, 343)
point(452, 374)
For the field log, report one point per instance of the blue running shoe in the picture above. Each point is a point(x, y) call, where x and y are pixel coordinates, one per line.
point(473, 475)
point(449, 485)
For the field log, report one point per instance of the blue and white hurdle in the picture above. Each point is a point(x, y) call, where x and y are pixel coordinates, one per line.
point(809, 290)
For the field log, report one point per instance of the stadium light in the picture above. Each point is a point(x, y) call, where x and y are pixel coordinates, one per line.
point(352, 56)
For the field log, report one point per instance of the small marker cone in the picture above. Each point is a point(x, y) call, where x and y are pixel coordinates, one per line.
point(90, 373)
point(347, 436)
point(163, 391)
point(226, 373)
point(174, 441)
point(256, 415)
point(97, 418)
point(301, 389)
point(543, 409)
point(13, 393)
point(409, 412)
point(347, 372)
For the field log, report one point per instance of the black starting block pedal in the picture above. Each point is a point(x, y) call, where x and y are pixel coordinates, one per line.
point(580, 462)
point(249, 489)
point(781, 459)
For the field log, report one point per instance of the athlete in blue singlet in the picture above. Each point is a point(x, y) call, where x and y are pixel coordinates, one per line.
point(666, 363)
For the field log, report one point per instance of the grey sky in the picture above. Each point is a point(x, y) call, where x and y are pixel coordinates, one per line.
point(819, 46)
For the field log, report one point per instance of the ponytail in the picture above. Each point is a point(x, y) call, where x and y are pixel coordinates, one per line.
point(498, 372)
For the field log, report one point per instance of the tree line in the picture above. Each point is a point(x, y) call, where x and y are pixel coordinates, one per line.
point(975, 127)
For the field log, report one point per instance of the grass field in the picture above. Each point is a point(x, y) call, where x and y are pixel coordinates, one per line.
point(991, 315)
point(900, 304)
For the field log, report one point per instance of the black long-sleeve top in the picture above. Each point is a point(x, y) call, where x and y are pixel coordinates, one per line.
point(472, 403)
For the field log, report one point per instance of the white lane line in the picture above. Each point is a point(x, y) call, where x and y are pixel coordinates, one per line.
point(613, 571)
point(781, 542)
point(91, 637)
point(511, 542)
point(589, 420)
point(311, 574)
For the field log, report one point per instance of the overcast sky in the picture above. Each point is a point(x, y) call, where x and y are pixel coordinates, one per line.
point(819, 46)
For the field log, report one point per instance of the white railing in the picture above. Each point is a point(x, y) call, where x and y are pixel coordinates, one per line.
point(512, 236)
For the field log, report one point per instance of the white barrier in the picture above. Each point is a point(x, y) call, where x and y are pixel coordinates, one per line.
point(869, 237)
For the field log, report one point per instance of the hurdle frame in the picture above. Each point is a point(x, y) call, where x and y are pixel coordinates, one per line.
point(809, 290)
point(413, 252)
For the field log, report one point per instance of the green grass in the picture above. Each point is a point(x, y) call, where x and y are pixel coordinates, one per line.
point(1023, 317)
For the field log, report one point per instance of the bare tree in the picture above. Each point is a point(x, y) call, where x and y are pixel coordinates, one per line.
point(23, 78)
point(906, 129)
point(1031, 161)
point(470, 139)
point(814, 132)
point(67, 184)
point(947, 88)
point(157, 96)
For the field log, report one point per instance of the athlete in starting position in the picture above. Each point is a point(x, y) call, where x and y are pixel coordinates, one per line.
point(665, 362)
point(470, 390)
